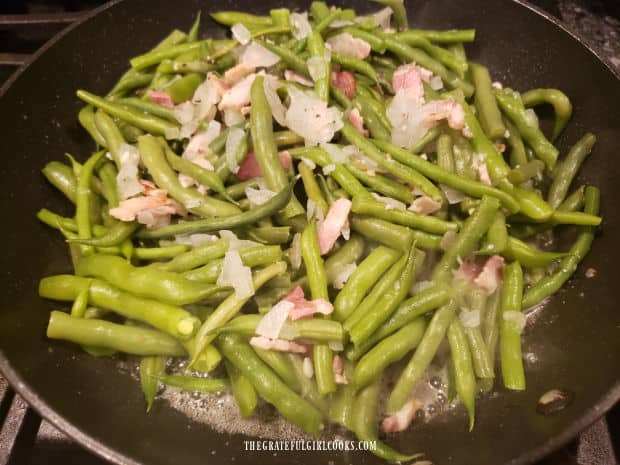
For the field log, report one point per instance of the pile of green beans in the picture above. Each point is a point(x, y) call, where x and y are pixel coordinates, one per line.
point(399, 282)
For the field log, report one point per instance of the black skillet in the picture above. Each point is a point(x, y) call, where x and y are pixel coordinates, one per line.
point(574, 344)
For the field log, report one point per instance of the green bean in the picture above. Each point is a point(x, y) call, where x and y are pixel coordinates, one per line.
point(397, 169)
point(389, 350)
point(578, 218)
point(251, 256)
point(282, 365)
point(230, 18)
point(151, 369)
point(365, 275)
point(83, 200)
point(450, 36)
point(357, 65)
point(115, 235)
point(375, 41)
point(386, 304)
point(574, 201)
point(289, 57)
point(445, 57)
point(313, 191)
point(522, 173)
point(155, 57)
point(230, 307)
point(265, 210)
point(374, 123)
point(111, 135)
point(62, 178)
point(528, 256)
point(510, 332)
point(568, 265)
point(195, 171)
point(490, 326)
point(244, 392)
point(86, 117)
point(290, 405)
point(423, 59)
point(421, 303)
point(382, 184)
point(286, 138)
point(146, 106)
point(383, 232)
point(374, 208)
point(78, 309)
point(319, 10)
point(147, 282)
point(432, 171)
point(422, 357)
point(465, 380)
point(445, 156)
point(567, 169)
point(496, 239)
point(365, 426)
point(328, 20)
point(192, 384)
point(169, 318)
point(315, 269)
point(561, 106)
point(458, 50)
point(192, 35)
point(474, 228)
point(198, 256)
point(316, 47)
point(479, 352)
point(136, 118)
point(349, 253)
point(107, 174)
point(488, 112)
point(511, 104)
point(130, 81)
point(99, 333)
point(265, 149)
point(518, 155)
point(342, 401)
point(270, 234)
point(159, 253)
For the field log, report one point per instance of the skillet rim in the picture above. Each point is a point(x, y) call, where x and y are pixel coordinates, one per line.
point(98, 448)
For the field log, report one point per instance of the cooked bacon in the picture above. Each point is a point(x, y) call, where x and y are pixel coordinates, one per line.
point(160, 97)
point(448, 109)
point(407, 78)
point(292, 76)
point(345, 81)
point(356, 120)
point(425, 205)
point(249, 167)
point(304, 308)
point(271, 324)
point(152, 209)
point(491, 275)
point(280, 345)
point(401, 419)
point(483, 171)
point(238, 96)
point(331, 228)
point(468, 271)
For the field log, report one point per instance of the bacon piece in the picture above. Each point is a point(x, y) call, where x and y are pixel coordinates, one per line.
point(160, 97)
point(345, 81)
point(304, 308)
point(401, 419)
point(425, 205)
point(237, 96)
point(448, 109)
point(236, 73)
point(491, 275)
point(407, 78)
point(483, 171)
point(152, 209)
point(331, 228)
point(356, 120)
point(271, 324)
point(278, 344)
point(249, 167)
point(468, 271)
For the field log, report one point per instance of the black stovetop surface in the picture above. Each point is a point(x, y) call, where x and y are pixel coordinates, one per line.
point(26, 439)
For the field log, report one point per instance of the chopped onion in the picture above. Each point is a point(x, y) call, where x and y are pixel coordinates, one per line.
point(530, 118)
point(296, 251)
point(292, 76)
point(236, 275)
point(194, 240)
point(346, 44)
point(515, 319)
point(241, 33)
point(311, 118)
point(278, 344)
point(336, 346)
point(447, 240)
point(436, 83)
point(308, 162)
point(233, 117)
point(454, 196)
point(328, 169)
point(382, 18)
point(341, 23)
point(316, 68)
point(234, 243)
point(308, 367)
point(420, 286)
point(184, 112)
point(127, 183)
point(337, 154)
point(257, 56)
point(389, 202)
point(205, 97)
point(310, 209)
point(233, 139)
point(271, 324)
point(407, 118)
point(278, 110)
point(300, 25)
point(258, 196)
point(470, 318)
point(343, 275)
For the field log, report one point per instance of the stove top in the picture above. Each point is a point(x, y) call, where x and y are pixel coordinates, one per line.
point(25, 25)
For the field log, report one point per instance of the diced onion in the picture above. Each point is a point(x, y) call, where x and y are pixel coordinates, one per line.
point(516, 320)
point(346, 44)
point(337, 154)
point(470, 318)
point(278, 110)
point(296, 251)
point(257, 56)
point(311, 118)
point(241, 33)
point(234, 243)
point(233, 139)
point(300, 25)
point(271, 324)
point(390, 203)
point(308, 367)
point(236, 275)
point(258, 196)
point(454, 196)
point(127, 182)
point(316, 68)
point(382, 18)
point(343, 275)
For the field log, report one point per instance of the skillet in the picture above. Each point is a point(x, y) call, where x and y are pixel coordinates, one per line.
point(574, 343)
